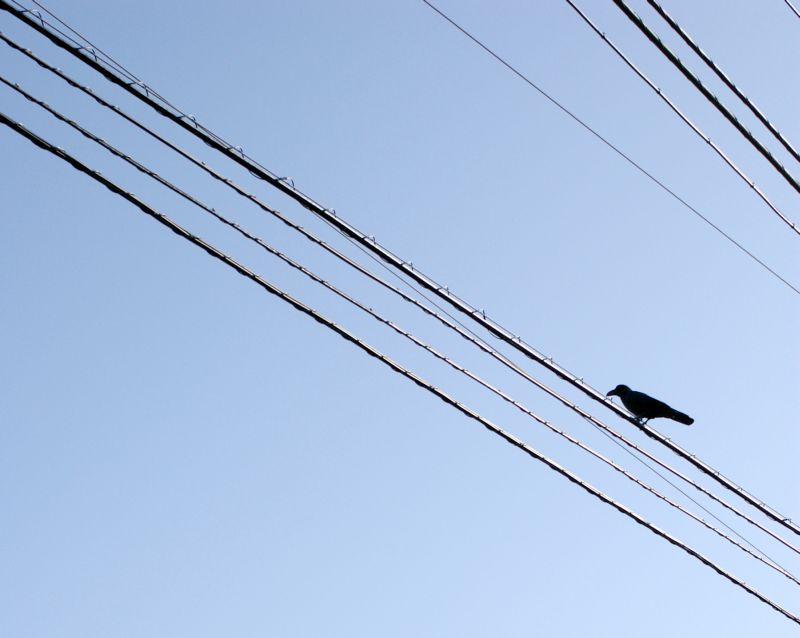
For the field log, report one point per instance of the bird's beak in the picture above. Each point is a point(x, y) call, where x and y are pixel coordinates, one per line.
point(612, 393)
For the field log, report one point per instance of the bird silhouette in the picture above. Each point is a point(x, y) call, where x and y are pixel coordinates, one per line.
point(645, 407)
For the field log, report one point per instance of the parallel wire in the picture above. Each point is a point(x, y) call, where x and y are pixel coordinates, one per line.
point(608, 143)
point(770, 562)
point(725, 79)
point(686, 119)
point(396, 328)
point(237, 154)
point(713, 99)
point(373, 352)
point(94, 48)
point(451, 323)
point(633, 163)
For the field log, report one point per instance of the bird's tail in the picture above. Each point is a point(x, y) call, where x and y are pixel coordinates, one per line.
point(680, 417)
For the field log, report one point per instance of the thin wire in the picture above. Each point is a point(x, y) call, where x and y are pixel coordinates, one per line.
point(253, 198)
point(713, 99)
point(528, 81)
point(94, 48)
point(608, 143)
point(685, 119)
point(396, 328)
point(373, 352)
point(237, 154)
point(447, 320)
point(725, 79)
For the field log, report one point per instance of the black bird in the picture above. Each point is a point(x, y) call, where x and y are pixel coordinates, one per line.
point(646, 407)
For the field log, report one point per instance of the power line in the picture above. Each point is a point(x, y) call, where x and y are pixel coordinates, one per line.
point(451, 323)
point(94, 48)
point(713, 99)
point(189, 123)
point(396, 328)
point(598, 136)
point(608, 143)
point(793, 8)
point(373, 352)
point(725, 79)
point(685, 119)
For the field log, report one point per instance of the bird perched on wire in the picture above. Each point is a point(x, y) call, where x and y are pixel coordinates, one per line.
point(645, 407)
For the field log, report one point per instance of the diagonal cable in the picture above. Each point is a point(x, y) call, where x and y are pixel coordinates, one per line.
point(756, 189)
point(373, 352)
point(189, 123)
point(725, 79)
point(605, 141)
point(794, 9)
point(446, 319)
point(713, 99)
point(396, 328)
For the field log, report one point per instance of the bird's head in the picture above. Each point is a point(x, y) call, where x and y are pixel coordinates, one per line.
point(618, 391)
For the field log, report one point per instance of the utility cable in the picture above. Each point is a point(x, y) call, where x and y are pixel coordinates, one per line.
point(94, 49)
point(713, 99)
point(608, 143)
point(609, 432)
point(770, 562)
point(189, 123)
point(373, 352)
point(528, 81)
point(685, 119)
point(725, 79)
point(451, 323)
point(793, 8)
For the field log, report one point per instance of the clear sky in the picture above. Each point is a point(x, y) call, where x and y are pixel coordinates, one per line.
point(183, 455)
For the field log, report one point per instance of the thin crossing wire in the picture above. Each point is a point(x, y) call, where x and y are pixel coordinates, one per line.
point(725, 79)
point(373, 352)
point(742, 175)
point(713, 99)
point(763, 557)
point(451, 323)
point(189, 123)
point(94, 49)
point(608, 143)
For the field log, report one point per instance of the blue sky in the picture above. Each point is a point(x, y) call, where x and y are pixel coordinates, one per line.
point(182, 455)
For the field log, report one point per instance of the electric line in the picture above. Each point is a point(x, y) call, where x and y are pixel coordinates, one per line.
point(609, 432)
point(609, 144)
point(451, 323)
point(528, 81)
point(793, 8)
point(686, 120)
point(705, 219)
point(255, 200)
point(396, 328)
point(94, 49)
point(373, 352)
point(189, 123)
point(725, 79)
point(656, 41)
